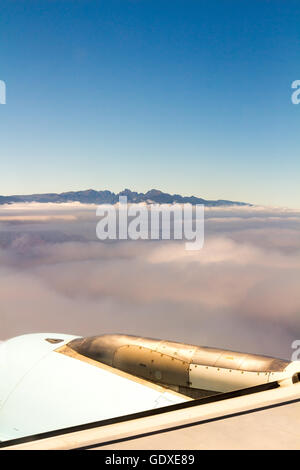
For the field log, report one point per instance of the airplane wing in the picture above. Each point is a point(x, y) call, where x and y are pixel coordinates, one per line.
point(68, 399)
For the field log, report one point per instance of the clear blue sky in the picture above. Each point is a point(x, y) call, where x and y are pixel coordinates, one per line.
point(188, 96)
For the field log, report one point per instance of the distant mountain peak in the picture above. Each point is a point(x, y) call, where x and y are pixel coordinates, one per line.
point(154, 192)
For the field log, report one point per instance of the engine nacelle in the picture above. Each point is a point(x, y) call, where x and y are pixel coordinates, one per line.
point(184, 367)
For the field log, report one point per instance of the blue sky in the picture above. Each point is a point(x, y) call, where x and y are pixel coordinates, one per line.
point(188, 96)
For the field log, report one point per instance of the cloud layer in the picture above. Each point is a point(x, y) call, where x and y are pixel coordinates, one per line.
point(241, 291)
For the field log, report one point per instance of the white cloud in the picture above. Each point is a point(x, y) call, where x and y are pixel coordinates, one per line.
point(241, 291)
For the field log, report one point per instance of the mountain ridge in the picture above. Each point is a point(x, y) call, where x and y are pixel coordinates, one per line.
point(91, 196)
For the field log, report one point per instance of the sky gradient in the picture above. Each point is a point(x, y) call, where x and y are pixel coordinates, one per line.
point(190, 97)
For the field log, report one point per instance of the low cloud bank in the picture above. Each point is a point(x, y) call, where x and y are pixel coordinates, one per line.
point(241, 291)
